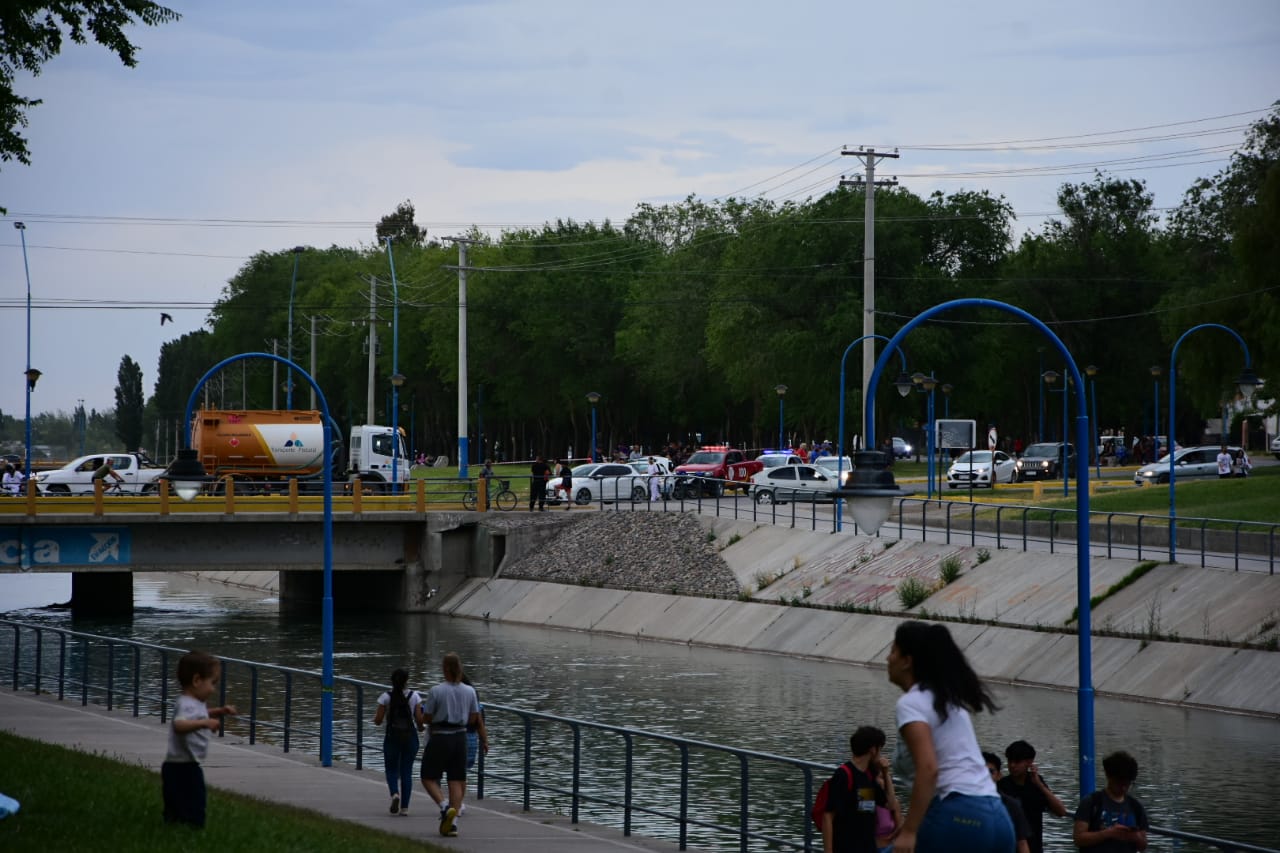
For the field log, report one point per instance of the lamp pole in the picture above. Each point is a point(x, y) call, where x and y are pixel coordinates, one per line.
point(1084, 650)
point(481, 456)
point(1092, 372)
point(396, 379)
point(947, 388)
point(782, 393)
point(30, 376)
point(1247, 382)
point(593, 397)
point(1040, 388)
point(1051, 378)
point(930, 384)
point(189, 461)
point(903, 384)
point(1155, 416)
point(288, 394)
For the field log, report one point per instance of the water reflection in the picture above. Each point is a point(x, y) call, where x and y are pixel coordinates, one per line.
point(797, 708)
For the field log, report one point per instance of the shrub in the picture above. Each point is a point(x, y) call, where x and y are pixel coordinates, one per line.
point(911, 592)
point(949, 571)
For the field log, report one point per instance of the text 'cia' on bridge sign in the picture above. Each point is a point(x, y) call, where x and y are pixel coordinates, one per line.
point(28, 547)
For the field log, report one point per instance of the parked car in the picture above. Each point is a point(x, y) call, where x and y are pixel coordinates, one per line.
point(137, 473)
point(607, 481)
point(1043, 461)
point(713, 470)
point(901, 449)
point(1275, 446)
point(785, 483)
point(981, 468)
point(773, 458)
point(1200, 461)
point(831, 463)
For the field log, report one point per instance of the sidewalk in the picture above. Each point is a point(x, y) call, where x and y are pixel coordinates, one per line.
point(340, 791)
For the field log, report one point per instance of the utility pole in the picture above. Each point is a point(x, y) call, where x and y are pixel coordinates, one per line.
point(373, 344)
point(313, 361)
point(869, 158)
point(275, 377)
point(463, 443)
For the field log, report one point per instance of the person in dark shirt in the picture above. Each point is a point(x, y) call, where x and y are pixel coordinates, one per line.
point(1020, 829)
point(1025, 785)
point(854, 791)
point(1111, 821)
point(539, 474)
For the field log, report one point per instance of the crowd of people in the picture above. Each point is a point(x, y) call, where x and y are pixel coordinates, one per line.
point(959, 799)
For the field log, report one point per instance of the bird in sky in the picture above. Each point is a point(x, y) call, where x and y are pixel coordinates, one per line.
point(165, 318)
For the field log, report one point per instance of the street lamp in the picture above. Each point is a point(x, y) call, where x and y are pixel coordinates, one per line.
point(782, 392)
point(1092, 372)
point(928, 383)
point(1155, 416)
point(188, 475)
point(396, 379)
point(903, 384)
point(1051, 378)
point(31, 373)
point(288, 394)
point(1246, 384)
point(593, 397)
point(947, 388)
point(869, 492)
point(1084, 651)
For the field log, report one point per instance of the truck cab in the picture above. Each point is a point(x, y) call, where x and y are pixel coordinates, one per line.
point(373, 455)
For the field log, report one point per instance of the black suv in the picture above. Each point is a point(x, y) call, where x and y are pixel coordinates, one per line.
point(1044, 461)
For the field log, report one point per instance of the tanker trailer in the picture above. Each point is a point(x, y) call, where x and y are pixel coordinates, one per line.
point(265, 447)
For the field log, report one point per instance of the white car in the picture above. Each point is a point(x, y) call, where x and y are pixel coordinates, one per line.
point(981, 468)
point(1275, 446)
point(830, 463)
point(1199, 461)
point(785, 483)
point(138, 475)
point(607, 481)
point(773, 458)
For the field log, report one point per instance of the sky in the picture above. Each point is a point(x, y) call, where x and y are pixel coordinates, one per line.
point(251, 126)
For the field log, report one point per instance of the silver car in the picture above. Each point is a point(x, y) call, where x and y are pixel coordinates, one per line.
point(785, 483)
point(1201, 461)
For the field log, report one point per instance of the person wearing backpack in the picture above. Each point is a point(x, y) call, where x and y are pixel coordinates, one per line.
point(1111, 821)
point(398, 708)
point(852, 794)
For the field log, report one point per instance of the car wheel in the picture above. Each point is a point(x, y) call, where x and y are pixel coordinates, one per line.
point(150, 489)
point(678, 492)
point(583, 497)
point(638, 494)
point(764, 497)
point(717, 491)
point(1164, 480)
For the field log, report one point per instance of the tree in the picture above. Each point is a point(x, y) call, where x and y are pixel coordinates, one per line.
point(31, 34)
point(399, 226)
point(129, 404)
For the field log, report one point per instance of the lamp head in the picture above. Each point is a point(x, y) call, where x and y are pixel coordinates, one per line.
point(186, 474)
point(1050, 377)
point(869, 491)
point(397, 379)
point(947, 388)
point(21, 226)
point(1091, 371)
point(781, 389)
point(593, 397)
point(1247, 383)
point(928, 383)
point(298, 250)
point(33, 376)
point(917, 378)
point(903, 383)
point(1156, 371)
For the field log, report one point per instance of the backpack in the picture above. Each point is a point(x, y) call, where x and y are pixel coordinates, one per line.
point(820, 801)
point(399, 717)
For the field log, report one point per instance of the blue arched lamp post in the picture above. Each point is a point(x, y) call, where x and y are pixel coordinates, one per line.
point(903, 384)
point(187, 475)
point(593, 397)
point(1246, 383)
point(1084, 693)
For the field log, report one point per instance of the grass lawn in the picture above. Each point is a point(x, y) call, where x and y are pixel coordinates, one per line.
point(1255, 498)
point(72, 801)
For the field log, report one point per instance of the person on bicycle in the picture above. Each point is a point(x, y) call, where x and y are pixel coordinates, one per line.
point(486, 474)
point(105, 470)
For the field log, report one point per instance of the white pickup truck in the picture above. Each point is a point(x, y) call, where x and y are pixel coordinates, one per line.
point(137, 472)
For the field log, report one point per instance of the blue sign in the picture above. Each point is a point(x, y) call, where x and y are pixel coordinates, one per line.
point(27, 547)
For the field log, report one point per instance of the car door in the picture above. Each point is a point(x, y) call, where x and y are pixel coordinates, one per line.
point(1001, 467)
point(1200, 463)
point(813, 483)
point(126, 467)
point(612, 480)
point(782, 481)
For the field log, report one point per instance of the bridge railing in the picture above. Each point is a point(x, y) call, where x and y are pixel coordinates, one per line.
point(655, 783)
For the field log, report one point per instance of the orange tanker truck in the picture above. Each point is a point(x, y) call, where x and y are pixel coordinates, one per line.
point(266, 446)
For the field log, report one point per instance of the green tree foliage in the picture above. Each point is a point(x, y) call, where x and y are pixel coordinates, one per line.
point(399, 226)
point(129, 403)
point(32, 33)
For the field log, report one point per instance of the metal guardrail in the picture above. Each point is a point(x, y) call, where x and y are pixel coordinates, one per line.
point(113, 672)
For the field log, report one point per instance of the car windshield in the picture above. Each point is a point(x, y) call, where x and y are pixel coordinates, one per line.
point(845, 463)
point(1042, 450)
point(773, 460)
point(706, 457)
point(975, 456)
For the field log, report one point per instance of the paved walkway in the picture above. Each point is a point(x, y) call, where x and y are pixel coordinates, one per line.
point(340, 791)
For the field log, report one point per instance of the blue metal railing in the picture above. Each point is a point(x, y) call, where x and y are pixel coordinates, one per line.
point(105, 669)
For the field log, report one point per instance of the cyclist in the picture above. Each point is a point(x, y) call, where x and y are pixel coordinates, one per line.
point(486, 474)
point(105, 470)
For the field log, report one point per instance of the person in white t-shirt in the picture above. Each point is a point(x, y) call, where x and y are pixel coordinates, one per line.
point(398, 708)
point(954, 803)
point(1224, 463)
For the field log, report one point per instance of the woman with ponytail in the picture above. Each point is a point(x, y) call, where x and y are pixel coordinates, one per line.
point(954, 804)
point(399, 708)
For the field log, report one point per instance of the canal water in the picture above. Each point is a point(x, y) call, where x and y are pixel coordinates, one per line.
point(1200, 771)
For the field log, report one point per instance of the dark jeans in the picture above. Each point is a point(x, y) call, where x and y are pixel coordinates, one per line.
point(184, 792)
point(398, 754)
point(538, 493)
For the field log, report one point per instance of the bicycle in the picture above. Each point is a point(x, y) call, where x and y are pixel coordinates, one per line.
point(503, 498)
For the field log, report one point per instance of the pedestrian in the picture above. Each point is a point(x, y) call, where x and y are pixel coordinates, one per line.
point(448, 709)
point(655, 492)
point(486, 476)
point(566, 483)
point(1111, 821)
point(954, 803)
point(993, 438)
point(854, 793)
point(1025, 784)
point(1021, 829)
point(398, 707)
point(539, 473)
point(1241, 465)
point(1224, 464)
point(12, 481)
point(181, 777)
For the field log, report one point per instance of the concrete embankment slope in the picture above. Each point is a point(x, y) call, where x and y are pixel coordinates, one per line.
point(1175, 634)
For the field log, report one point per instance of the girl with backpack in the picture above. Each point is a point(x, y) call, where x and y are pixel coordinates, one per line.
point(398, 708)
point(954, 803)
